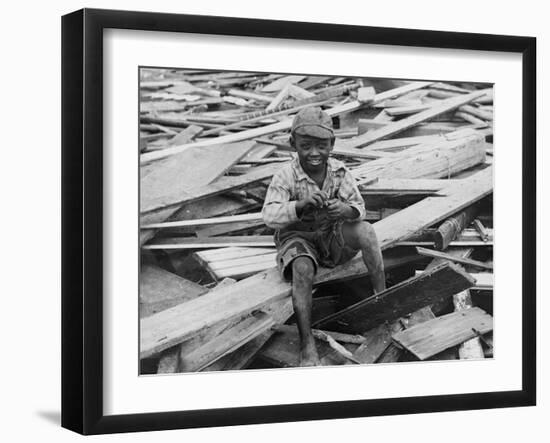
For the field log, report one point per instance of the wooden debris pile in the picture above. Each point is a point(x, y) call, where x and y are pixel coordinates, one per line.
point(210, 297)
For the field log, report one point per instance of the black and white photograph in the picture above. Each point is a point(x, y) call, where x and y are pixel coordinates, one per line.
point(290, 220)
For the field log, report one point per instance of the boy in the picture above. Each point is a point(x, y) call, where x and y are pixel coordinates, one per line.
point(317, 211)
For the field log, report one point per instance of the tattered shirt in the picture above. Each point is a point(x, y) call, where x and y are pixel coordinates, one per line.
point(291, 184)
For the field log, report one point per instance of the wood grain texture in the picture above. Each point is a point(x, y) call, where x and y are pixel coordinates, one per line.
point(230, 340)
point(187, 171)
point(434, 336)
point(402, 299)
point(160, 289)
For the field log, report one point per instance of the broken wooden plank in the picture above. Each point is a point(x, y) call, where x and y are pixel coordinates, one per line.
point(175, 243)
point(402, 299)
point(470, 349)
point(174, 325)
point(205, 221)
point(484, 281)
point(483, 233)
point(376, 342)
point(160, 289)
point(227, 342)
point(394, 352)
point(401, 186)
point(169, 361)
point(224, 184)
point(434, 336)
point(279, 311)
point(187, 171)
point(464, 261)
point(401, 125)
point(275, 127)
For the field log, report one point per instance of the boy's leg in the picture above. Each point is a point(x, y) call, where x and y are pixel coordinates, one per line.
point(361, 235)
point(303, 271)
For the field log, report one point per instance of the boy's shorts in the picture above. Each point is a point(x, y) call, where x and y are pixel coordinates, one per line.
point(323, 248)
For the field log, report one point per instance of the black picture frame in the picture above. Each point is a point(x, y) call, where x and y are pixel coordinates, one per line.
point(82, 220)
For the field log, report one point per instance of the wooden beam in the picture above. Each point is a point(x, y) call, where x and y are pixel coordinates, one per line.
point(174, 325)
point(464, 261)
point(224, 184)
point(451, 228)
point(394, 128)
point(227, 342)
point(205, 221)
point(434, 336)
point(164, 181)
point(279, 311)
point(402, 299)
point(177, 243)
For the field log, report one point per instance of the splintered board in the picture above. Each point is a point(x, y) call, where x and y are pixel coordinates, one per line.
point(160, 289)
point(434, 336)
point(404, 298)
point(236, 262)
point(190, 169)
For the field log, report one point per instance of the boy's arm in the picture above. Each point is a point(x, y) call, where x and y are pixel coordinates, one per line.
point(278, 211)
point(349, 194)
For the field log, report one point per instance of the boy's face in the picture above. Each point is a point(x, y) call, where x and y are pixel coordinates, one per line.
point(313, 152)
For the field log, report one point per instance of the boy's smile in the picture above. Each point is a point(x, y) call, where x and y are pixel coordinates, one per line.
point(313, 152)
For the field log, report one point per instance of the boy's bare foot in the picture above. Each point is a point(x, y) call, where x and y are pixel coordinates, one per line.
point(309, 357)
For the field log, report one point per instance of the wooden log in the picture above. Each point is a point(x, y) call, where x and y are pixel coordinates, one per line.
point(443, 256)
point(426, 161)
point(174, 325)
point(451, 228)
point(394, 128)
point(402, 299)
point(276, 127)
point(434, 336)
point(476, 112)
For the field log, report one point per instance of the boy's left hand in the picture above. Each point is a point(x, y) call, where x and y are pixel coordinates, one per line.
point(337, 209)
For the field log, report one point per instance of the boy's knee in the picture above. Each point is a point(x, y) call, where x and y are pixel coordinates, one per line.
point(303, 267)
point(364, 234)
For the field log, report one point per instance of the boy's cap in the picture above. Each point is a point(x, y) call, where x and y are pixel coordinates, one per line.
point(313, 122)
